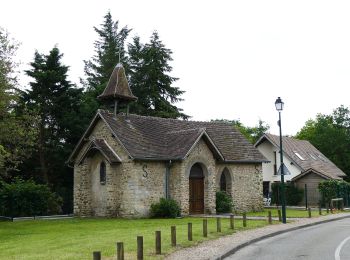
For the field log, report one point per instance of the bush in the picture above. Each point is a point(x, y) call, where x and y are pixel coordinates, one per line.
point(165, 208)
point(334, 189)
point(224, 202)
point(26, 198)
point(293, 194)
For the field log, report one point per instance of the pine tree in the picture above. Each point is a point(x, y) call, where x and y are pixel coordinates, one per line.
point(108, 48)
point(150, 79)
point(57, 103)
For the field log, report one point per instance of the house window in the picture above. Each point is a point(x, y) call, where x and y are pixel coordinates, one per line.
point(275, 163)
point(299, 156)
point(103, 173)
point(223, 182)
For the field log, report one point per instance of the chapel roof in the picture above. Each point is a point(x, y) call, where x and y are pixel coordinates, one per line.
point(118, 87)
point(305, 155)
point(154, 138)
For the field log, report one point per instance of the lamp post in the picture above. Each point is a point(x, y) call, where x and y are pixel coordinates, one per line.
point(279, 107)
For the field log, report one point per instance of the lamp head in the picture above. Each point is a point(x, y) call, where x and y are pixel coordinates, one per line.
point(279, 104)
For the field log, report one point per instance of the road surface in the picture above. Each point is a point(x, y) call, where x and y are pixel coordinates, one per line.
point(325, 241)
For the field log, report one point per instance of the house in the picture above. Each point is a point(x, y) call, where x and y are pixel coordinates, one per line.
point(305, 165)
point(124, 162)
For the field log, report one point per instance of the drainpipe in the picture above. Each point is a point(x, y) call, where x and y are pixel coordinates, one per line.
point(167, 176)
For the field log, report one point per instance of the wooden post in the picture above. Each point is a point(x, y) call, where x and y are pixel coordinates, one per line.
point(96, 255)
point(173, 235)
point(218, 224)
point(342, 205)
point(189, 228)
point(205, 227)
point(309, 211)
point(327, 208)
point(320, 210)
point(158, 243)
point(269, 217)
point(140, 248)
point(279, 215)
point(120, 251)
point(244, 219)
point(232, 223)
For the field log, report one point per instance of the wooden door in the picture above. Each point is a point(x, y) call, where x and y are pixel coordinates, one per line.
point(196, 195)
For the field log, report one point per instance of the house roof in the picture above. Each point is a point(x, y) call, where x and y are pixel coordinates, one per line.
point(118, 87)
point(313, 171)
point(154, 138)
point(304, 155)
point(101, 146)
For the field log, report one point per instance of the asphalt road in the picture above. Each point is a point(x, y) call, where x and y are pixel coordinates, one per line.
point(325, 241)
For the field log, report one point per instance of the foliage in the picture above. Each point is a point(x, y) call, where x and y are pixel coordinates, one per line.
point(57, 104)
point(251, 133)
point(224, 202)
point(331, 135)
point(293, 195)
point(108, 48)
point(150, 79)
point(17, 134)
point(165, 208)
point(331, 189)
point(26, 198)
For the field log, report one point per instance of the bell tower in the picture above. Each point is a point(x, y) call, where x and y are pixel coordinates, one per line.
point(117, 91)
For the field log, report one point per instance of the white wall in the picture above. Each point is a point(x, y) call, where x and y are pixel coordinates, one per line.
point(267, 149)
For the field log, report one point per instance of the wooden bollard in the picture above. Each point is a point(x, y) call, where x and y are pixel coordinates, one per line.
point(269, 217)
point(232, 221)
point(140, 248)
point(189, 233)
point(327, 209)
point(173, 235)
point(158, 243)
point(309, 211)
point(96, 255)
point(218, 224)
point(244, 219)
point(205, 227)
point(320, 210)
point(120, 251)
point(279, 215)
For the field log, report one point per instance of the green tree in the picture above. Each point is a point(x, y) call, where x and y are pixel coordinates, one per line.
point(109, 47)
point(57, 102)
point(16, 132)
point(331, 135)
point(150, 79)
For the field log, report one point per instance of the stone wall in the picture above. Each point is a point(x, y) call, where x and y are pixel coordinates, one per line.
point(247, 187)
point(132, 186)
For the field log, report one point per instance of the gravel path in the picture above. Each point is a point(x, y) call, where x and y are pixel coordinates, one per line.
point(214, 249)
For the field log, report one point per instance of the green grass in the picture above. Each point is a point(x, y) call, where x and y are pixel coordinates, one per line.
point(78, 238)
point(290, 213)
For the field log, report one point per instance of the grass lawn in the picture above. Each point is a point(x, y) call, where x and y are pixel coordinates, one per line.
point(78, 238)
point(291, 213)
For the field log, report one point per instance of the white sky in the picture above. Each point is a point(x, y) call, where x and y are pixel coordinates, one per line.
point(233, 58)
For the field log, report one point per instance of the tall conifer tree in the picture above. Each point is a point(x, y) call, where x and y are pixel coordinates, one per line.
point(150, 79)
point(57, 102)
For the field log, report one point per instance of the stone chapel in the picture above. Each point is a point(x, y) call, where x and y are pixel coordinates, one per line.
point(124, 162)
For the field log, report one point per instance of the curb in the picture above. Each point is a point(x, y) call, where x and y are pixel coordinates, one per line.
point(235, 249)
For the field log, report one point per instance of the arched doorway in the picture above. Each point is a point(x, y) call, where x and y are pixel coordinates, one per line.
point(196, 185)
point(225, 181)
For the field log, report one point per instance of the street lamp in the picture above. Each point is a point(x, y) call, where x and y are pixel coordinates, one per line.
point(279, 107)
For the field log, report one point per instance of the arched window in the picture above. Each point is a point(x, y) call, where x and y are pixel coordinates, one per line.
point(103, 173)
point(223, 186)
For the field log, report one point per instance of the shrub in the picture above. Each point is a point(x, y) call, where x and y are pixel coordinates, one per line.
point(26, 198)
point(165, 208)
point(334, 189)
point(224, 202)
point(293, 194)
